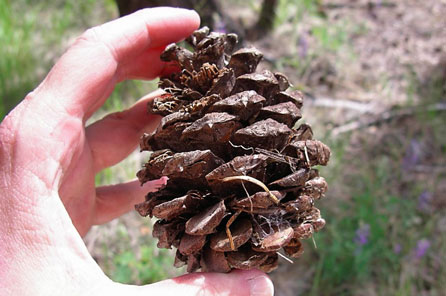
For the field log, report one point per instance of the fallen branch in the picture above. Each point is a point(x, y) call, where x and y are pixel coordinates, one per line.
point(435, 169)
point(327, 102)
point(386, 116)
point(359, 6)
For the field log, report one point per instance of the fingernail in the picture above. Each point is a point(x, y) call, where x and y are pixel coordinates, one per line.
point(261, 286)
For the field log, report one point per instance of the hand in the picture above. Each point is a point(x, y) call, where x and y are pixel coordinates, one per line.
point(48, 160)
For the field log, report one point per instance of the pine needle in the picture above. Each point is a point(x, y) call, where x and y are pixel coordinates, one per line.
point(255, 181)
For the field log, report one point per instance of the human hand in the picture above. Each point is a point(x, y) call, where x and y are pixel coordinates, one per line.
point(48, 160)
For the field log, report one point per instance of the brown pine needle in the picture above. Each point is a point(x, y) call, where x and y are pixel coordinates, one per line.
point(228, 231)
point(255, 181)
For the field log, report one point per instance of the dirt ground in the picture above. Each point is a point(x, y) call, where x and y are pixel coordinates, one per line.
point(399, 52)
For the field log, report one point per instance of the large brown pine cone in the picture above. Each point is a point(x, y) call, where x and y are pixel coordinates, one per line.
point(241, 183)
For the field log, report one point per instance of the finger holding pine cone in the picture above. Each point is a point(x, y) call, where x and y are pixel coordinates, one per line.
point(241, 184)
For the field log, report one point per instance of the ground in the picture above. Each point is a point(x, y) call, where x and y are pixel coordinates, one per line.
point(374, 74)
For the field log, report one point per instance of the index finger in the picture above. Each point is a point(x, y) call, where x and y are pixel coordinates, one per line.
point(152, 27)
point(86, 74)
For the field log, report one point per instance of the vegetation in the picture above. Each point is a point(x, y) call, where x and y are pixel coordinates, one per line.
point(385, 210)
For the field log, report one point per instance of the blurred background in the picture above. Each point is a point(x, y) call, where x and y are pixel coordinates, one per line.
point(374, 74)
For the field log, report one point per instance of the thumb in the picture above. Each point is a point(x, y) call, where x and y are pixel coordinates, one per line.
point(236, 283)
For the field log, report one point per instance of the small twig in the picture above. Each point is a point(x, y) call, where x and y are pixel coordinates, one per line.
point(359, 6)
point(341, 103)
point(435, 169)
point(255, 181)
point(386, 116)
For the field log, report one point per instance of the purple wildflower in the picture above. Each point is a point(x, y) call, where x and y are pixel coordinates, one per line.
point(422, 246)
point(220, 26)
point(397, 248)
point(413, 155)
point(424, 201)
point(362, 235)
point(302, 44)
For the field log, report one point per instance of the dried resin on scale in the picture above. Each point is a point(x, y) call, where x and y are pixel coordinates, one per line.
point(241, 186)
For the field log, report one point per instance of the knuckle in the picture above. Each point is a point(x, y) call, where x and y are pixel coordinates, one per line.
point(8, 127)
point(91, 35)
point(7, 133)
point(96, 36)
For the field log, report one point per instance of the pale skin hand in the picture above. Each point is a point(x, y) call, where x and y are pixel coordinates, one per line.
point(48, 159)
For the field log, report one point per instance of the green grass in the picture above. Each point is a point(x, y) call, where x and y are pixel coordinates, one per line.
point(34, 34)
point(344, 267)
point(380, 197)
point(17, 65)
point(313, 42)
point(143, 268)
point(142, 264)
point(375, 193)
point(343, 261)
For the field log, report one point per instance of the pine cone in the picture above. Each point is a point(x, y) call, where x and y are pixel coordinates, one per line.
point(241, 184)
